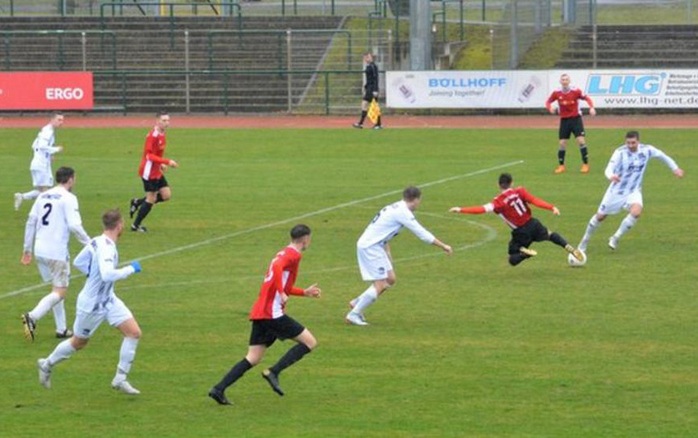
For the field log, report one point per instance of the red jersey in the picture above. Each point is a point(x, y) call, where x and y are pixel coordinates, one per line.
point(153, 151)
point(568, 101)
point(278, 285)
point(512, 206)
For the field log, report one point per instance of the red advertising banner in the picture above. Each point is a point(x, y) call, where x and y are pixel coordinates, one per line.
point(46, 91)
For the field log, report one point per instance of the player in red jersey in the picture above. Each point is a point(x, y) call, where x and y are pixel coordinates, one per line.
point(269, 319)
point(567, 99)
point(153, 163)
point(512, 206)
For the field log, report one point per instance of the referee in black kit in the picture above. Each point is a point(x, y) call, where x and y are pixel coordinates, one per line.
point(370, 90)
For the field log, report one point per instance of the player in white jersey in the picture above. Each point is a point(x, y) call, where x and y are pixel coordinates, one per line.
point(98, 302)
point(54, 215)
point(373, 249)
point(40, 167)
point(625, 170)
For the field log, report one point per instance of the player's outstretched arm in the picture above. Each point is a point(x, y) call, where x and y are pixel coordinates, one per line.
point(312, 291)
point(477, 209)
point(447, 248)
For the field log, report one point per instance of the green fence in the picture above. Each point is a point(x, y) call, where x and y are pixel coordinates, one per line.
point(229, 91)
point(69, 49)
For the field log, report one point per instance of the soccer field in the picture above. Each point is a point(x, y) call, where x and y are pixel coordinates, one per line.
point(461, 346)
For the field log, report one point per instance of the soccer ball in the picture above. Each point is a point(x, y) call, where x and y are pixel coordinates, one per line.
point(572, 260)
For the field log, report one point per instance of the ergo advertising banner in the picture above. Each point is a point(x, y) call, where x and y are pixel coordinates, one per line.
point(530, 88)
point(46, 91)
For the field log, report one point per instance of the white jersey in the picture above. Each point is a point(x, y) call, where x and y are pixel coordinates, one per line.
point(54, 215)
point(631, 167)
point(43, 148)
point(98, 260)
point(388, 223)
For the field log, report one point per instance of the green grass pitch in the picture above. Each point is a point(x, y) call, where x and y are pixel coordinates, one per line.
point(462, 346)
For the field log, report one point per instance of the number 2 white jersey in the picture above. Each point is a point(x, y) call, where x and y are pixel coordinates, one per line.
point(98, 260)
point(388, 223)
point(54, 215)
point(43, 149)
point(631, 167)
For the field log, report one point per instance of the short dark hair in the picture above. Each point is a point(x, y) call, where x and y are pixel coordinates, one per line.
point(411, 193)
point(632, 134)
point(63, 174)
point(505, 180)
point(111, 218)
point(161, 113)
point(299, 231)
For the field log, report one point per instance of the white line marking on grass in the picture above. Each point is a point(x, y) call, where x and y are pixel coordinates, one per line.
point(490, 235)
point(282, 222)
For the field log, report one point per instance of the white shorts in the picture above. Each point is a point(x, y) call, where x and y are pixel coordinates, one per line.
point(86, 323)
point(374, 263)
point(55, 271)
point(612, 203)
point(41, 178)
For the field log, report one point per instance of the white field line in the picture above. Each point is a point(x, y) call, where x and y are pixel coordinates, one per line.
point(286, 221)
point(490, 234)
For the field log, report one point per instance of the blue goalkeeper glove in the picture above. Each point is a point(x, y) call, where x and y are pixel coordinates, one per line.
point(136, 266)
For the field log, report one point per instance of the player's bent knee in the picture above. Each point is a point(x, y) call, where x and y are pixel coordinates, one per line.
point(78, 343)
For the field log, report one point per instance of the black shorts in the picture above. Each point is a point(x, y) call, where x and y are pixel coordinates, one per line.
point(533, 231)
point(368, 96)
point(154, 185)
point(266, 331)
point(573, 125)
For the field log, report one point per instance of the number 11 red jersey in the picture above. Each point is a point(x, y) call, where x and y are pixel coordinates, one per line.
point(512, 206)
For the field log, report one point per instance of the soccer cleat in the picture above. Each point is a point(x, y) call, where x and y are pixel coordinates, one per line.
point(218, 396)
point(139, 228)
point(124, 386)
point(29, 326)
point(613, 242)
point(65, 334)
point(358, 126)
point(133, 208)
point(528, 251)
point(578, 254)
point(352, 304)
point(273, 380)
point(18, 200)
point(44, 373)
point(378, 127)
point(560, 169)
point(584, 169)
point(354, 318)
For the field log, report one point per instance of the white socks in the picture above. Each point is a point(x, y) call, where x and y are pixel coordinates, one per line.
point(591, 228)
point(30, 195)
point(59, 316)
point(62, 352)
point(126, 356)
point(367, 298)
point(628, 222)
point(46, 304)
point(625, 226)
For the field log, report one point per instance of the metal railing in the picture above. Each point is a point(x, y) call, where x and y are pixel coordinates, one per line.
point(61, 45)
point(284, 40)
point(171, 15)
point(225, 91)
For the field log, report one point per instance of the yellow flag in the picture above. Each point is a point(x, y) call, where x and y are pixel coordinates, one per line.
point(374, 111)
